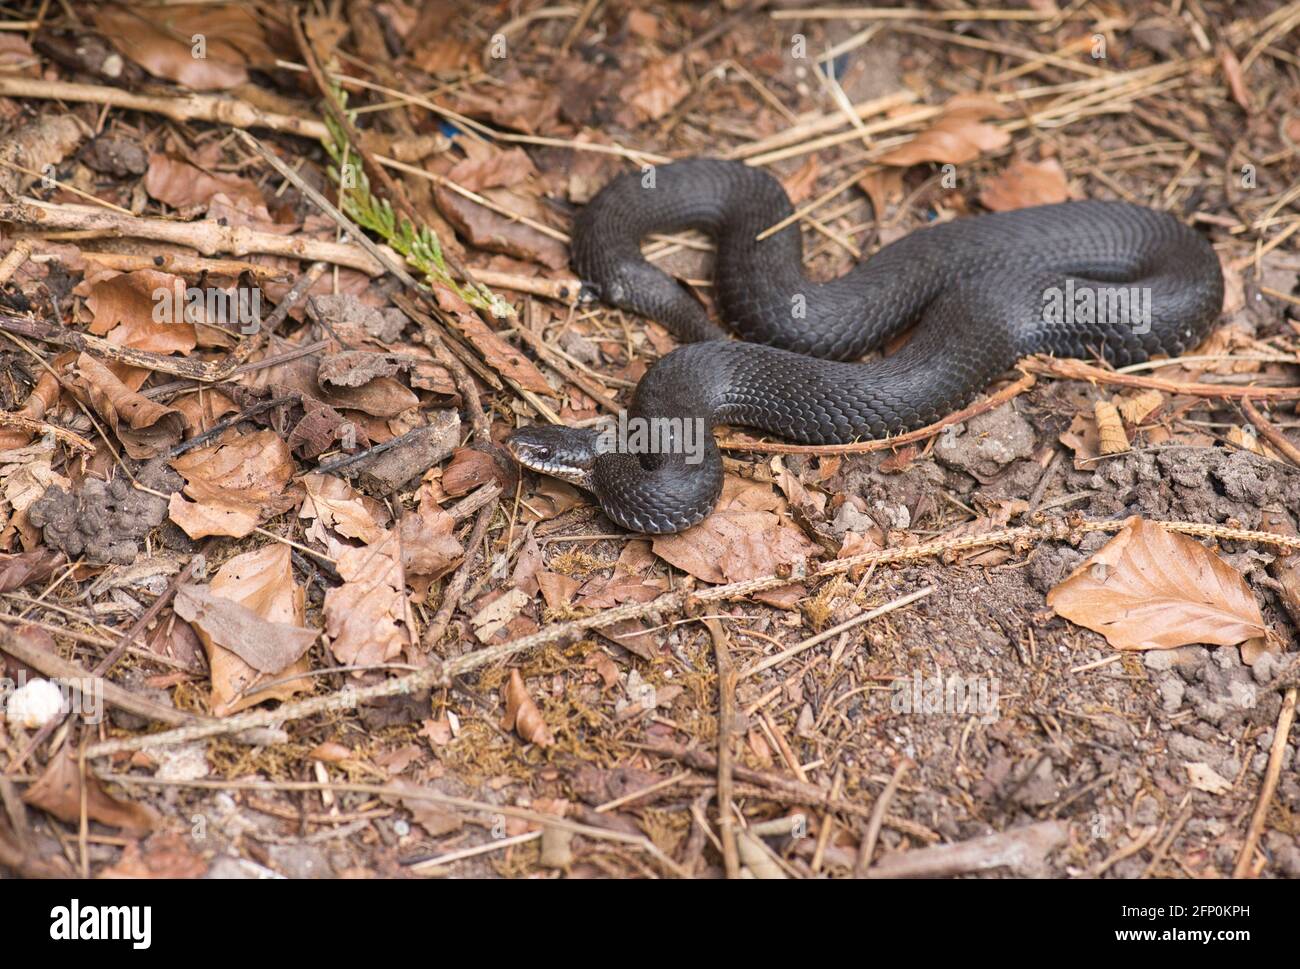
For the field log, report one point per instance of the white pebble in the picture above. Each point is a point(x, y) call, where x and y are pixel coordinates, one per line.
point(35, 704)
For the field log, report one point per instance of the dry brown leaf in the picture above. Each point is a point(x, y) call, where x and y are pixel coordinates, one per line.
point(557, 589)
point(957, 136)
point(1083, 438)
point(470, 468)
point(429, 545)
point(17, 57)
point(123, 306)
point(525, 104)
point(499, 355)
point(490, 230)
point(335, 504)
point(145, 427)
point(161, 40)
point(26, 568)
point(182, 185)
point(656, 89)
point(497, 614)
point(163, 855)
point(495, 169)
point(1024, 183)
point(746, 536)
point(365, 617)
point(268, 647)
point(58, 791)
point(522, 714)
point(430, 815)
point(884, 187)
point(261, 582)
point(234, 485)
point(1150, 588)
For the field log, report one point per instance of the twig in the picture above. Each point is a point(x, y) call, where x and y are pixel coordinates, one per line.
point(1078, 370)
point(869, 839)
point(1144, 838)
point(192, 107)
point(1274, 436)
point(53, 665)
point(205, 235)
point(105, 665)
point(786, 789)
point(726, 746)
point(14, 259)
point(32, 426)
point(442, 674)
point(412, 794)
point(1280, 735)
point(198, 440)
point(834, 631)
point(455, 587)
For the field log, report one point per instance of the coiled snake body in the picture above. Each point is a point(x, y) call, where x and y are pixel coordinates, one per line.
point(981, 291)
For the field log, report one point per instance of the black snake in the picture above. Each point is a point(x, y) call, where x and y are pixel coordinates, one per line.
point(1072, 279)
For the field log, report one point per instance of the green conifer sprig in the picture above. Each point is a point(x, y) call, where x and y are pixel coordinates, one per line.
point(418, 245)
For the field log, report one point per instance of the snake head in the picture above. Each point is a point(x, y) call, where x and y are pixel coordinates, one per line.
point(567, 453)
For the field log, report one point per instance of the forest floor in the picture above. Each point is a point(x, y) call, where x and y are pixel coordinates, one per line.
point(326, 628)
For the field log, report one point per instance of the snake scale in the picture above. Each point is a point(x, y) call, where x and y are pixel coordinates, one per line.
point(1072, 279)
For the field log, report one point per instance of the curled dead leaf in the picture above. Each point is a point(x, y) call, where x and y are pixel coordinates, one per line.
point(58, 790)
point(957, 136)
point(522, 714)
point(1024, 183)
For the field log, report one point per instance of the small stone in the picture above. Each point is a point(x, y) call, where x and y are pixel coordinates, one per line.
point(1171, 689)
point(1265, 668)
point(34, 704)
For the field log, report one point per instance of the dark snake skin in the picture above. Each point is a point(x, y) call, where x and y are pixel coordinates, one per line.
point(976, 288)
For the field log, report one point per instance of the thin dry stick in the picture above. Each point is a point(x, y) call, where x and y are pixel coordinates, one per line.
point(1269, 787)
point(878, 818)
point(56, 667)
point(178, 263)
point(207, 236)
point(1144, 837)
point(1078, 370)
point(411, 794)
point(38, 428)
point(452, 857)
point(832, 121)
point(910, 13)
point(14, 259)
point(108, 662)
point(1274, 436)
point(192, 107)
point(834, 631)
point(441, 674)
point(455, 587)
point(726, 746)
point(787, 789)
